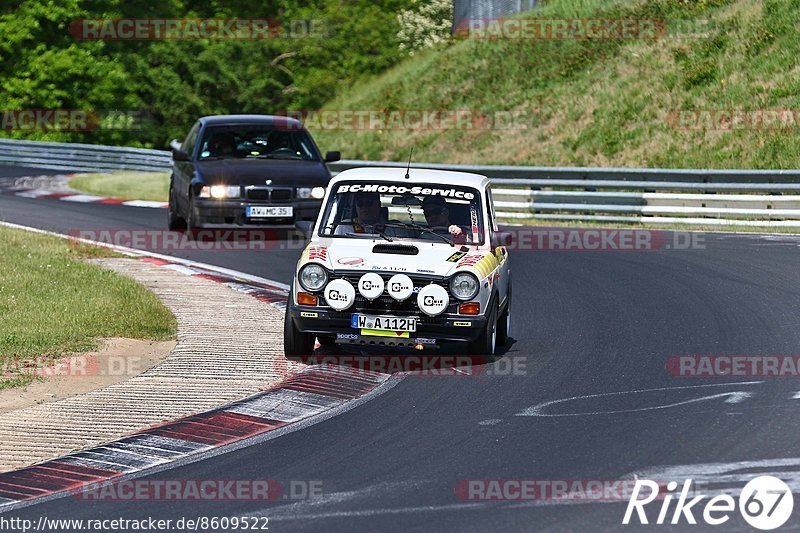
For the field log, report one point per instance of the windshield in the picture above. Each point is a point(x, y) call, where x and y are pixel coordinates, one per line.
point(404, 211)
point(256, 141)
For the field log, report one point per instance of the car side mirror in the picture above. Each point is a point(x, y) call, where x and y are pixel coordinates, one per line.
point(502, 238)
point(177, 153)
point(331, 157)
point(305, 227)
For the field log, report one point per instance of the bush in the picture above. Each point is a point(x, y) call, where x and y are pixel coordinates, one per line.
point(425, 26)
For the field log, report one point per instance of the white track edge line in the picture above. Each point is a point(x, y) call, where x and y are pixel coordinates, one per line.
point(140, 253)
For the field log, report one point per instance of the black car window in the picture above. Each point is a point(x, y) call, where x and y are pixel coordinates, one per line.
point(191, 139)
point(490, 206)
point(263, 142)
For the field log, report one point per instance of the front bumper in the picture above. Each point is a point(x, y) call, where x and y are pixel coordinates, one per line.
point(233, 213)
point(431, 332)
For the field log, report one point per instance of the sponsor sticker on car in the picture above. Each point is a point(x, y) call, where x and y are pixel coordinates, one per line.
point(351, 261)
point(384, 333)
point(456, 257)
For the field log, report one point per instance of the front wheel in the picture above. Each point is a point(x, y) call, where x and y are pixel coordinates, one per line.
point(191, 219)
point(486, 343)
point(175, 222)
point(295, 342)
point(503, 325)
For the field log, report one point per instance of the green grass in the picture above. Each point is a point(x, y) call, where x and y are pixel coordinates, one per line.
point(52, 302)
point(601, 102)
point(127, 185)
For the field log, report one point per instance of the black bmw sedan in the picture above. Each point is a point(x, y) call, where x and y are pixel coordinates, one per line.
point(246, 170)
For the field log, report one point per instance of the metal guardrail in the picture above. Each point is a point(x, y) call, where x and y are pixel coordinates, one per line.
point(519, 175)
point(72, 157)
point(646, 195)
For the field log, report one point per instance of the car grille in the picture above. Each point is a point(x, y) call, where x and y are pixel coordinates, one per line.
point(385, 304)
point(268, 194)
point(281, 195)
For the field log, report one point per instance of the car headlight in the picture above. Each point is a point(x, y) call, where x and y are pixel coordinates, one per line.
point(307, 192)
point(464, 286)
point(220, 191)
point(312, 277)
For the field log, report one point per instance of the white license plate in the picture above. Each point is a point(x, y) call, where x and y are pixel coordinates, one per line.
point(386, 323)
point(260, 211)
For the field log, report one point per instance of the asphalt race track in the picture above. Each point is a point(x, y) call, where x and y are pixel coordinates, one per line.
point(584, 323)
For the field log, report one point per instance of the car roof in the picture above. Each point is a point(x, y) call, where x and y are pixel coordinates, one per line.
point(222, 120)
point(416, 175)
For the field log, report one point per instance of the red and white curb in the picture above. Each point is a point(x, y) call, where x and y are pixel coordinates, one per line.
point(41, 187)
point(311, 392)
point(82, 198)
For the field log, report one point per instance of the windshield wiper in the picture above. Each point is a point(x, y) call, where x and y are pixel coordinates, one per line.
point(421, 228)
point(375, 231)
point(330, 228)
point(273, 156)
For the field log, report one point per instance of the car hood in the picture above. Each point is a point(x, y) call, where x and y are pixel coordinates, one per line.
point(258, 171)
point(345, 254)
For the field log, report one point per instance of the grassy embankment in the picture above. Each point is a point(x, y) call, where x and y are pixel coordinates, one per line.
point(127, 185)
point(53, 303)
point(599, 102)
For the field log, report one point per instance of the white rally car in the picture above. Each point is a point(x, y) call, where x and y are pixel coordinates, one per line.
point(402, 259)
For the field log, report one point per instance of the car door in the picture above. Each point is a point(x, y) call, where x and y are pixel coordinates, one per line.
point(183, 172)
point(502, 276)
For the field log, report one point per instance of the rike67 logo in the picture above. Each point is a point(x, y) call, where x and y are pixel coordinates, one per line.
point(765, 503)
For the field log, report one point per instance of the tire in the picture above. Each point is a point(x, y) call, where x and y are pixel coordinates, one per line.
point(503, 325)
point(295, 342)
point(175, 222)
point(486, 343)
point(191, 220)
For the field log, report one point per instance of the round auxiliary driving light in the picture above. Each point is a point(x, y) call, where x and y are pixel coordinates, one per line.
point(400, 287)
point(340, 294)
point(370, 285)
point(432, 300)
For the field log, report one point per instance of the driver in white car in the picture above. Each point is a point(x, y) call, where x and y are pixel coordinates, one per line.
point(368, 215)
